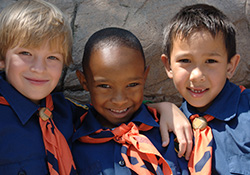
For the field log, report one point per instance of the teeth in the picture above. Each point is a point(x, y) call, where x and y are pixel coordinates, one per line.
point(119, 111)
point(196, 91)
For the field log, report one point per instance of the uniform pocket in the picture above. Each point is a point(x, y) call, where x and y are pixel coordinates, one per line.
point(239, 164)
point(93, 169)
point(31, 166)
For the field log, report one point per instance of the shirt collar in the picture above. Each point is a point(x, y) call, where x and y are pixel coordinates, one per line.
point(142, 115)
point(224, 106)
point(90, 124)
point(22, 106)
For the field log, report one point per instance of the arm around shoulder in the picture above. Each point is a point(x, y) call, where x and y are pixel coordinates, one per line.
point(173, 120)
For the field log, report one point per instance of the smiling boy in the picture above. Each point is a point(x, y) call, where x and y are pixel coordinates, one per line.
point(35, 126)
point(200, 56)
point(118, 134)
point(21, 62)
point(116, 97)
point(200, 68)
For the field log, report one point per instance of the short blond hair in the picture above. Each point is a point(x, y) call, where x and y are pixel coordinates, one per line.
point(31, 23)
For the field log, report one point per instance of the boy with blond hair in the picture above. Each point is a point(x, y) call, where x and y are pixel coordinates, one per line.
point(35, 126)
point(199, 54)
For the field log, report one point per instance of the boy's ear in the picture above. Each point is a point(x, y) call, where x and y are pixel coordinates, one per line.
point(232, 65)
point(81, 77)
point(146, 72)
point(2, 64)
point(166, 62)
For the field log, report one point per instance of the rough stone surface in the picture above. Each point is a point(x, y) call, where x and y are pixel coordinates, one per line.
point(146, 19)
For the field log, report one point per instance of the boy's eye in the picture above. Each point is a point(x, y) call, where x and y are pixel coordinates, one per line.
point(133, 84)
point(184, 60)
point(103, 86)
point(25, 53)
point(52, 58)
point(211, 61)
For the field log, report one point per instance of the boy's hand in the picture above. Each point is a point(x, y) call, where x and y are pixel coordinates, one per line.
point(172, 119)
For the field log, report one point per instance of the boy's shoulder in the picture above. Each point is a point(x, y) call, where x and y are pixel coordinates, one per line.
point(78, 104)
point(65, 103)
point(246, 91)
point(145, 114)
point(245, 99)
point(60, 98)
point(80, 111)
point(230, 96)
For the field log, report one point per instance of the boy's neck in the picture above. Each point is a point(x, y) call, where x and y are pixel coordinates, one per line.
point(104, 122)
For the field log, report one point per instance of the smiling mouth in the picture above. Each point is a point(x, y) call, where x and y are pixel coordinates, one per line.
point(197, 91)
point(36, 81)
point(119, 111)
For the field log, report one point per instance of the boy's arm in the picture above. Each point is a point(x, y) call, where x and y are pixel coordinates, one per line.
point(172, 119)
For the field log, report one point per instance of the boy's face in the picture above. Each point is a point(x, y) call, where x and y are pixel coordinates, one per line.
point(115, 79)
point(33, 72)
point(199, 67)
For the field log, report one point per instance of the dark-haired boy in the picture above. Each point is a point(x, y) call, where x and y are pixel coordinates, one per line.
point(199, 54)
point(118, 134)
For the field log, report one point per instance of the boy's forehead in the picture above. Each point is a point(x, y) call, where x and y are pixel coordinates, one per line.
point(53, 45)
point(115, 59)
point(201, 43)
point(113, 65)
point(197, 34)
point(117, 55)
point(194, 32)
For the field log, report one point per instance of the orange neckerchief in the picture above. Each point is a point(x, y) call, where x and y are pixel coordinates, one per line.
point(200, 162)
point(59, 156)
point(242, 88)
point(135, 146)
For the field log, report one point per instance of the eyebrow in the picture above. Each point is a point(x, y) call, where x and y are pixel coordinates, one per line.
point(205, 54)
point(213, 54)
point(101, 79)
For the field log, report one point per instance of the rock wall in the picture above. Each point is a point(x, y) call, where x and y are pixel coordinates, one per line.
point(146, 19)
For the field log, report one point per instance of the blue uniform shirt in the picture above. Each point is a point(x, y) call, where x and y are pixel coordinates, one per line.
point(21, 144)
point(106, 159)
point(230, 128)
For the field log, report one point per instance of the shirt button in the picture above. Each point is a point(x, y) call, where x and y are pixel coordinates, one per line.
point(22, 172)
point(122, 163)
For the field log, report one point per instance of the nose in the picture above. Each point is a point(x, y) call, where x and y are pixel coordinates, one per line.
point(38, 65)
point(197, 74)
point(119, 97)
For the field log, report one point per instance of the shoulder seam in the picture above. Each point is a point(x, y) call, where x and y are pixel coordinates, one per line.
point(77, 103)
